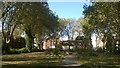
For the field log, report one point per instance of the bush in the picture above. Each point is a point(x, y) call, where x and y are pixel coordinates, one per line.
point(37, 50)
point(17, 43)
point(23, 50)
point(18, 51)
point(100, 50)
point(14, 51)
point(53, 51)
point(87, 52)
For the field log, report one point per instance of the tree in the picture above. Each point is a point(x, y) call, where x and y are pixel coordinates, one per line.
point(7, 26)
point(35, 17)
point(103, 18)
point(68, 27)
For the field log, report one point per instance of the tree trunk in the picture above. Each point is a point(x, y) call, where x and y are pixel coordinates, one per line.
point(5, 47)
point(29, 39)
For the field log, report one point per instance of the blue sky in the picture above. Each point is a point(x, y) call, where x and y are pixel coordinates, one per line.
point(67, 9)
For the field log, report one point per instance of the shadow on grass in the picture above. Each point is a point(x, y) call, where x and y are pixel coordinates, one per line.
point(30, 60)
point(100, 62)
point(103, 62)
point(56, 65)
point(36, 60)
point(52, 64)
point(91, 59)
point(98, 65)
point(31, 65)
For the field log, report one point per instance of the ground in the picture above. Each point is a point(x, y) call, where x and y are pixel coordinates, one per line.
point(99, 60)
point(37, 59)
point(29, 60)
point(70, 60)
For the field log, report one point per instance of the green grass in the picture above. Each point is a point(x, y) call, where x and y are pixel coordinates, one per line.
point(30, 60)
point(91, 59)
point(87, 59)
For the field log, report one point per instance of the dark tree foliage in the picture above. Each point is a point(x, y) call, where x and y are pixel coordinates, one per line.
point(103, 18)
point(35, 17)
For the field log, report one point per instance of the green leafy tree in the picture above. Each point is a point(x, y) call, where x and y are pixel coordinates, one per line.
point(35, 17)
point(103, 18)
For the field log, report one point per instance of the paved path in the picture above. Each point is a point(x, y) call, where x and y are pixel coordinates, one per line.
point(70, 60)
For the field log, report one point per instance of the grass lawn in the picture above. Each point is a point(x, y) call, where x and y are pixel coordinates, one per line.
point(98, 60)
point(41, 59)
point(30, 60)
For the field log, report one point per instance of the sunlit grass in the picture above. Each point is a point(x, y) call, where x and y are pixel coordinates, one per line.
point(99, 60)
point(31, 59)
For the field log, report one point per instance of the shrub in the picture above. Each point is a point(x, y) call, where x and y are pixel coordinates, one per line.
point(23, 50)
point(14, 51)
point(17, 43)
point(18, 51)
point(54, 51)
point(87, 52)
point(100, 50)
